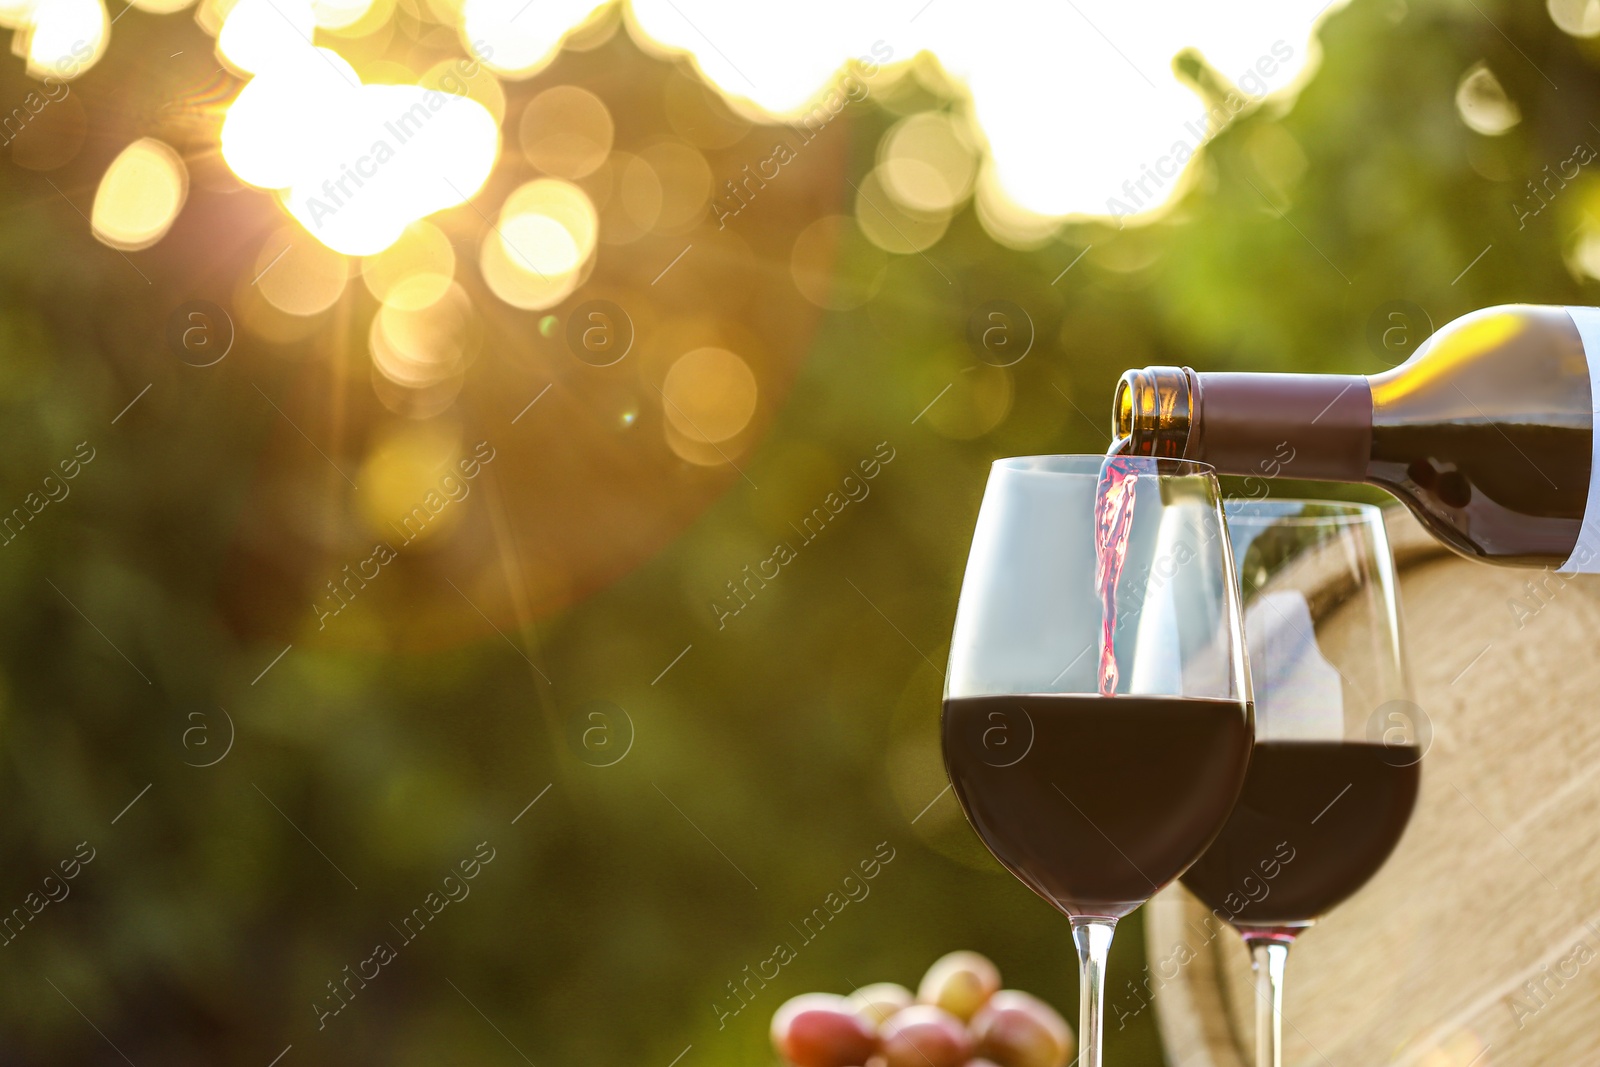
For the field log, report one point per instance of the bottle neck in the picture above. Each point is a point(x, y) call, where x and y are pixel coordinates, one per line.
point(1151, 415)
point(1313, 426)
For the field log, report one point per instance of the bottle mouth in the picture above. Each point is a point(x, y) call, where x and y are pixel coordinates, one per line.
point(1150, 413)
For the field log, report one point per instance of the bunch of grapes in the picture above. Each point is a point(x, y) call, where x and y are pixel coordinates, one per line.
point(960, 1017)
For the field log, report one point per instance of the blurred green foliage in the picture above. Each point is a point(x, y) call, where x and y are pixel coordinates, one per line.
point(778, 752)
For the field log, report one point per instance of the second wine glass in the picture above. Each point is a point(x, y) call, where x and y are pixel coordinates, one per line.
point(1337, 760)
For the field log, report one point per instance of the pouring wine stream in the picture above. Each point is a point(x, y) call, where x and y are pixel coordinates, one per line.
point(1113, 519)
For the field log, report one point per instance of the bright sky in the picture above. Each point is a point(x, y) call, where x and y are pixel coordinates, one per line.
point(1076, 101)
point(1075, 97)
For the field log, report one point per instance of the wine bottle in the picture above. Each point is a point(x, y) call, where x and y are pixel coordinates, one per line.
point(1486, 433)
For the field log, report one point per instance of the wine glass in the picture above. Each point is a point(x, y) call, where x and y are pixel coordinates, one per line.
point(1097, 720)
point(1338, 751)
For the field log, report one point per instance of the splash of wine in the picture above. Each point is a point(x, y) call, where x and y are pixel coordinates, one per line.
point(1113, 519)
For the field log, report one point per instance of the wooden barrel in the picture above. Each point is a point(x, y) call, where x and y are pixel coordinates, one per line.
point(1478, 945)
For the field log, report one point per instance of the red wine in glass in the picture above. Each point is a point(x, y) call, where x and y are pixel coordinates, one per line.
point(1095, 802)
point(1315, 821)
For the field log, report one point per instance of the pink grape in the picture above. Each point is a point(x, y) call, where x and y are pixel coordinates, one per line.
point(1020, 1030)
point(876, 1002)
point(821, 1030)
point(924, 1036)
point(960, 983)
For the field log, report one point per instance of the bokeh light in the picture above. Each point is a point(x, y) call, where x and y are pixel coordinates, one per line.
point(633, 201)
point(1585, 255)
point(709, 395)
point(339, 14)
point(428, 151)
point(446, 76)
point(928, 163)
point(375, 19)
point(1483, 104)
point(540, 244)
point(161, 7)
point(354, 163)
point(63, 38)
point(400, 470)
point(685, 180)
point(563, 203)
point(258, 35)
point(268, 137)
point(257, 317)
point(1580, 18)
point(413, 272)
point(14, 13)
point(566, 131)
point(140, 195)
point(519, 39)
point(511, 277)
point(298, 276)
point(699, 115)
point(545, 235)
point(420, 347)
point(892, 226)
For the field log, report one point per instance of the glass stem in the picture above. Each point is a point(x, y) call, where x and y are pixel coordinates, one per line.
point(1268, 954)
point(1093, 938)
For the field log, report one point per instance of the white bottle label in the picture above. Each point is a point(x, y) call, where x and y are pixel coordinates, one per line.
point(1585, 558)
